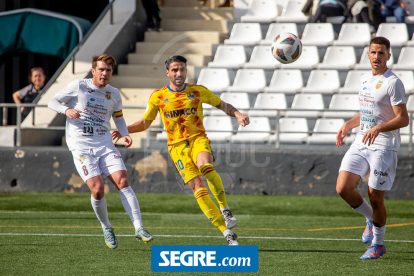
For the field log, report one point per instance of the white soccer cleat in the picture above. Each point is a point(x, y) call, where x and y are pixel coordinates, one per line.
point(228, 218)
point(232, 239)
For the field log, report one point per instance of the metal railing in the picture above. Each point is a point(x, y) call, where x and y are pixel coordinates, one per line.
point(276, 131)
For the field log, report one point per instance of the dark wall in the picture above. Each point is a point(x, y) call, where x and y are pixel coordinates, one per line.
point(288, 172)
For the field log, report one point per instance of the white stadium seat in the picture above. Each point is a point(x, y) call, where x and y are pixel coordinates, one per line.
point(262, 11)
point(262, 58)
point(162, 136)
point(335, 19)
point(256, 131)
point(322, 81)
point(339, 57)
point(410, 103)
point(230, 56)
point(249, 80)
point(404, 132)
point(277, 28)
point(215, 79)
point(269, 101)
point(308, 60)
point(353, 34)
point(292, 125)
point(285, 81)
point(351, 136)
point(238, 100)
point(218, 123)
point(364, 63)
point(318, 34)
point(405, 60)
point(352, 81)
point(292, 12)
point(407, 78)
point(344, 102)
point(245, 34)
point(306, 101)
point(325, 125)
point(396, 33)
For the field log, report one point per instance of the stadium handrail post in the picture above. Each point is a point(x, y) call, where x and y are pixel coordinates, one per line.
point(5, 109)
point(277, 143)
point(18, 123)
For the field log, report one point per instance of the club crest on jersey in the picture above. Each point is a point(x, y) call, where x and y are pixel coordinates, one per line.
point(108, 95)
point(81, 158)
point(190, 95)
point(378, 86)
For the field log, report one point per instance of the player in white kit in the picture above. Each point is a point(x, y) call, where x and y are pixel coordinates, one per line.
point(382, 113)
point(90, 104)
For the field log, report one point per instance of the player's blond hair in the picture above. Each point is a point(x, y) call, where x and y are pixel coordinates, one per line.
point(108, 59)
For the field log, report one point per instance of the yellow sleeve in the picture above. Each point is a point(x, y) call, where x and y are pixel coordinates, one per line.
point(208, 97)
point(152, 108)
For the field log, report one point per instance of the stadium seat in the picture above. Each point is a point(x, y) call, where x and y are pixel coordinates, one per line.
point(269, 101)
point(407, 77)
point(262, 11)
point(256, 131)
point(292, 125)
point(325, 125)
point(404, 132)
point(410, 103)
point(238, 100)
point(343, 101)
point(218, 123)
point(336, 19)
point(230, 56)
point(307, 61)
point(245, 34)
point(322, 81)
point(364, 63)
point(396, 33)
point(339, 57)
point(353, 34)
point(215, 79)
point(285, 81)
point(277, 28)
point(405, 60)
point(351, 136)
point(262, 58)
point(249, 80)
point(292, 12)
point(352, 81)
point(318, 34)
point(162, 136)
point(408, 19)
point(306, 101)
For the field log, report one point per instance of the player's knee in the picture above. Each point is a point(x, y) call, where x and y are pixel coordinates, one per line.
point(376, 200)
point(342, 190)
point(123, 183)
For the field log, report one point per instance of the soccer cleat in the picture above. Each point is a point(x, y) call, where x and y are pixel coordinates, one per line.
point(232, 239)
point(143, 235)
point(228, 218)
point(368, 234)
point(110, 238)
point(374, 251)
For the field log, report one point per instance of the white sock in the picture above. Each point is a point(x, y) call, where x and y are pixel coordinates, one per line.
point(379, 233)
point(101, 210)
point(131, 206)
point(226, 232)
point(365, 209)
point(225, 208)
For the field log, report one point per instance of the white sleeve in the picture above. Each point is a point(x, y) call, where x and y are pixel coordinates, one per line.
point(118, 118)
point(396, 91)
point(64, 96)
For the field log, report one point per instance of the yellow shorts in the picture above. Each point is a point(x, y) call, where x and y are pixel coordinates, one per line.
point(184, 156)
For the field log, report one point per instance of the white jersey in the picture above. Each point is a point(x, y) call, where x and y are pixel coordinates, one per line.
point(97, 105)
point(377, 95)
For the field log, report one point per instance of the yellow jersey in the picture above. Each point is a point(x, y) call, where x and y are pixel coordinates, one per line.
point(181, 111)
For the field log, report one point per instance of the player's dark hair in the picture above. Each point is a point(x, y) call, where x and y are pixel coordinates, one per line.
point(381, 41)
point(175, 59)
point(108, 59)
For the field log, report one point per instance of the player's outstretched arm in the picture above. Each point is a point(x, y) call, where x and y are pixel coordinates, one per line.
point(354, 122)
point(233, 112)
point(139, 126)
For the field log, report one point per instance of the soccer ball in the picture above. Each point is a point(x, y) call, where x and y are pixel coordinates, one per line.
point(286, 48)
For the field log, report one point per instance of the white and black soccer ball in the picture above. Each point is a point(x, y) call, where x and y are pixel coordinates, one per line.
point(286, 48)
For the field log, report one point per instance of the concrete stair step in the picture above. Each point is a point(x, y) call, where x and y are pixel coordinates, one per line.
point(202, 48)
point(148, 70)
point(201, 13)
point(190, 3)
point(141, 82)
point(155, 59)
point(190, 36)
point(194, 25)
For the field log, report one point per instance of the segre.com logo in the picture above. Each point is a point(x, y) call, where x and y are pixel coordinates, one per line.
point(208, 258)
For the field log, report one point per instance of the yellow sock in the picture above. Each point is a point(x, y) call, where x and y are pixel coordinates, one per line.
point(214, 183)
point(209, 208)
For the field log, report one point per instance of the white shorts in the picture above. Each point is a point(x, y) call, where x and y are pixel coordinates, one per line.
point(381, 164)
point(98, 161)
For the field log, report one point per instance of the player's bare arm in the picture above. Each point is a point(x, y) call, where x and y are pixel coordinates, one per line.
point(352, 123)
point(233, 112)
point(401, 120)
point(138, 126)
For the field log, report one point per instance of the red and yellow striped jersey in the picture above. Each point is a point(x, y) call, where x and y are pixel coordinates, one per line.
point(182, 111)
